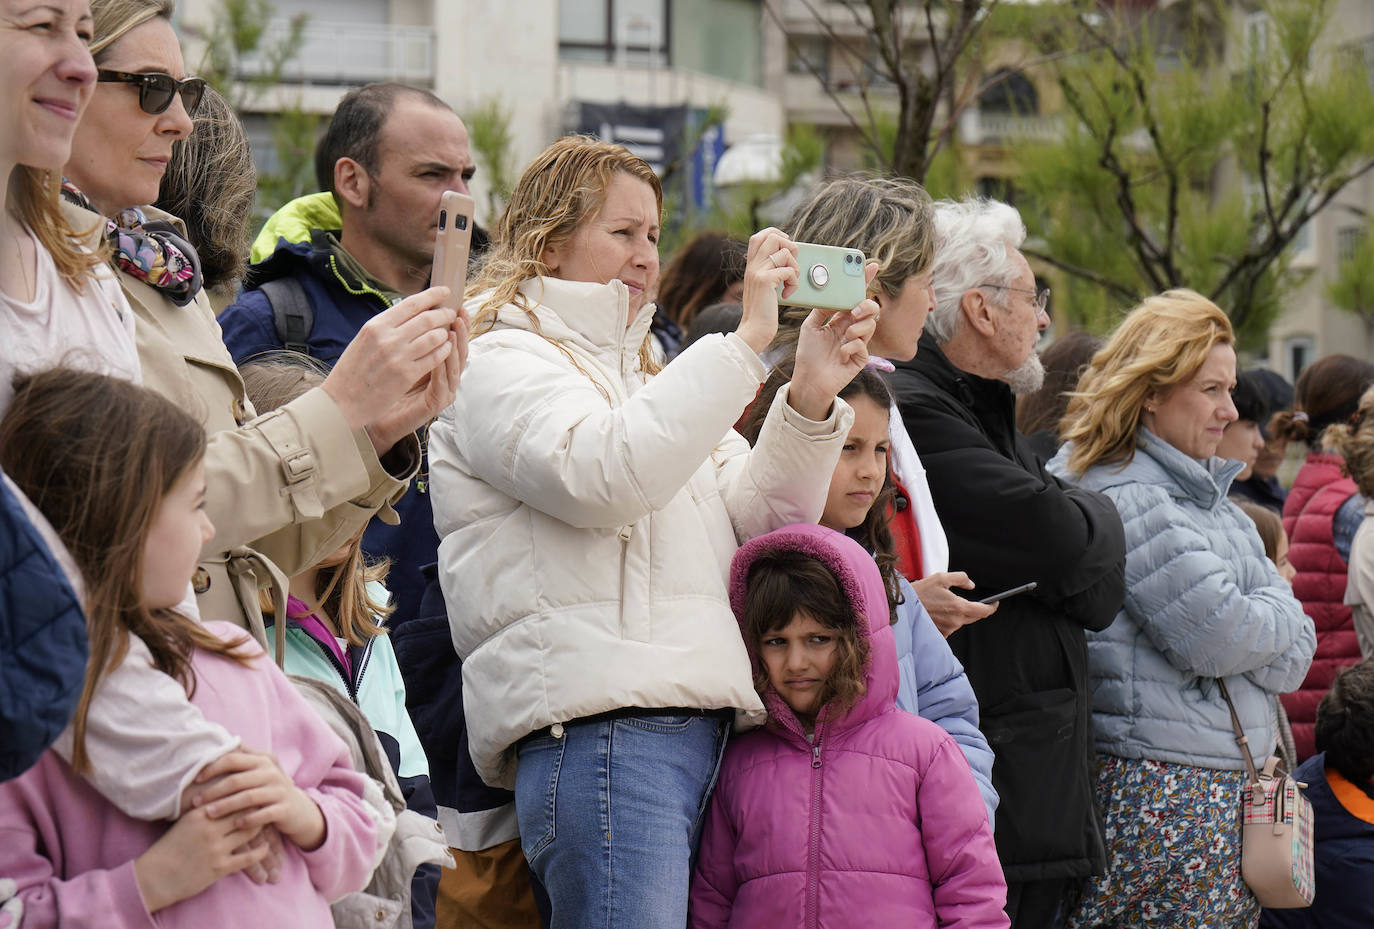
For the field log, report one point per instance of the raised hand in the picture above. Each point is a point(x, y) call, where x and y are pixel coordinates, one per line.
point(831, 349)
point(771, 260)
point(949, 610)
point(375, 382)
point(254, 792)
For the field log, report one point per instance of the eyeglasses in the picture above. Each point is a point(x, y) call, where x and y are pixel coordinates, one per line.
point(1041, 297)
point(156, 90)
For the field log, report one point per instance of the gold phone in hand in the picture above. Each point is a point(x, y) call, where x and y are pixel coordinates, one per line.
point(452, 244)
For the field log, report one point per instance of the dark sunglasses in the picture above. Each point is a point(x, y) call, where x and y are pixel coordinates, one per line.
point(157, 90)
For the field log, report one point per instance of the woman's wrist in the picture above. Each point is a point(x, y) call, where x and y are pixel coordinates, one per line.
point(808, 402)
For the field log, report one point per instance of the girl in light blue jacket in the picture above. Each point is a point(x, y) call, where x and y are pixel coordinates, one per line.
point(1203, 603)
point(932, 682)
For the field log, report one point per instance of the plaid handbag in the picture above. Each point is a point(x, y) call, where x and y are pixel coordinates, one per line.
point(1276, 831)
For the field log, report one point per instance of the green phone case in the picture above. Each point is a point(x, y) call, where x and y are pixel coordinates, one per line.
point(832, 278)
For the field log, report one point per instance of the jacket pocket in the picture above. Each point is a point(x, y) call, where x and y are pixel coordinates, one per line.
point(1041, 774)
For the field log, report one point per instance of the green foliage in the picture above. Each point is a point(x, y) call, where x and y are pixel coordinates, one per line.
point(1191, 155)
point(489, 134)
point(293, 136)
point(236, 39)
point(243, 63)
point(1353, 287)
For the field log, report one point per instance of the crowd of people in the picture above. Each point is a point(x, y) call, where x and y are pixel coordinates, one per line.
point(604, 596)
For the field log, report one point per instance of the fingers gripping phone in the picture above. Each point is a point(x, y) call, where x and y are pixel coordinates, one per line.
point(452, 244)
point(1024, 588)
point(832, 278)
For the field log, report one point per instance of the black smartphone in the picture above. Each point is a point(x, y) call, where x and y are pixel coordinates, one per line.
point(1024, 588)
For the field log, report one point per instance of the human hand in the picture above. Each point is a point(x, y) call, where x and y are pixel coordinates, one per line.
point(11, 908)
point(949, 610)
point(266, 871)
point(252, 790)
point(192, 854)
point(831, 349)
point(429, 396)
point(391, 355)
point(771, 260)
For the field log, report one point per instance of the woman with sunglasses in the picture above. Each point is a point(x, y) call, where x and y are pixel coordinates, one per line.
point(292, 483)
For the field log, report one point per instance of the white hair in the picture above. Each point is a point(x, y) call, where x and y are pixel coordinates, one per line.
point(975, 239)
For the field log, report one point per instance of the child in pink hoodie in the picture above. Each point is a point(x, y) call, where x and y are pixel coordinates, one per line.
point(842, 810)
point(117, 470)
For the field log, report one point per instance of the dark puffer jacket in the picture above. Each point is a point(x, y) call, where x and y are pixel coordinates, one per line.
point(1010, 522)
point(42, 641)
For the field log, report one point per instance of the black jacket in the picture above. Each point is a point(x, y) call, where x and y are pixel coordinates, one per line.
point(1010, 522)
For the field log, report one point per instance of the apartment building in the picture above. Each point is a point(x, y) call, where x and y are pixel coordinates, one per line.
point(642, 72)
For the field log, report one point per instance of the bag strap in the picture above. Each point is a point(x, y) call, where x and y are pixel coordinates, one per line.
point(1241, 740)
point(292, 315)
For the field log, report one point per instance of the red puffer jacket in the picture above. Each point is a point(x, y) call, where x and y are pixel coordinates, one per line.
point(1317, 494)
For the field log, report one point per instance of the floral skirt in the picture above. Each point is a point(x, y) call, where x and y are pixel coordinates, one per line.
point(1173, 850)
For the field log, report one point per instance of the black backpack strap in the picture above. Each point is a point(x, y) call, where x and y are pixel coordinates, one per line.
point(292, 313)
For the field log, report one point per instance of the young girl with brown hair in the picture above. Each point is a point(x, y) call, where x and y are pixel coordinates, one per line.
point(841, 811)
point(128, 504)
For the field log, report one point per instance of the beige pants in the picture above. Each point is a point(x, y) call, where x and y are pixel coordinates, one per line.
point(489, 889)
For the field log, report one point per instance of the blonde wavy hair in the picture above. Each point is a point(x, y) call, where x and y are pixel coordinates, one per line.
point(1354, 441)
point(562, 188)
point(1160, 344)
point(114, 18)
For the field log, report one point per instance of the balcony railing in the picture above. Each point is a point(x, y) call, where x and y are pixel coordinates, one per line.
point(976, 127)
point(355, 53)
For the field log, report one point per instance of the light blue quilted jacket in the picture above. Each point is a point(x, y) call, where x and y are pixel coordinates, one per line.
point(1202, 601)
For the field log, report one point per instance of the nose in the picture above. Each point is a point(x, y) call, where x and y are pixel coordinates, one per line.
point(77, 66)
point(175, 121)
point(796, 658)
point(207, 528)
point(1042, 318)
point(1227, 410)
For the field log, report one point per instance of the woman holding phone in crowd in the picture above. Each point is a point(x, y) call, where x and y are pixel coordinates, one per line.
point(589, 506)
point(293, 484)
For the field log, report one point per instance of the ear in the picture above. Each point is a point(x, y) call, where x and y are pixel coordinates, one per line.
point(978, 313)
point(552, 258)
point(351, 183)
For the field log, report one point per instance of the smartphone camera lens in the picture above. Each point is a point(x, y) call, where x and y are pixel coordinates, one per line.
point(460, 222)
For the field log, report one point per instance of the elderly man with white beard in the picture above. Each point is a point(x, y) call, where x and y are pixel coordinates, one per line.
point(1009, 523)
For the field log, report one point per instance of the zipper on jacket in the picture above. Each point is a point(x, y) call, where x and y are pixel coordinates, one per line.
point(350, 686)
point(624, 534)
point(813, 846)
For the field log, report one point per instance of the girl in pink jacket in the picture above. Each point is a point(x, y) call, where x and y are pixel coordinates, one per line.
point(117, 470)
point(842, 810)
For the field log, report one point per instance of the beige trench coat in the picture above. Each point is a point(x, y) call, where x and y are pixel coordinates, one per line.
point(291, 485)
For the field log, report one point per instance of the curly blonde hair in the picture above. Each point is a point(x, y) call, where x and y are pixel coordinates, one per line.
point(1160, 344)
point(1354, 441)
point(562, 188)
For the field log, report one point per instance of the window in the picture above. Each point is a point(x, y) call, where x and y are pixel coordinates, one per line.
point(1012, 95)
point(808, 54)
point(632, 31)
point(1298, 352)
point(1348, 241)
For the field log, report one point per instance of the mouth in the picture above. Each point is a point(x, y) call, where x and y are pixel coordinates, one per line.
point(65, 109)
point(157, 162)
point(635, 288)
point(861, 496)
point(802, 683)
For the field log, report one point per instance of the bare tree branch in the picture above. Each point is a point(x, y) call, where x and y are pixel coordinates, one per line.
point(1125, 291)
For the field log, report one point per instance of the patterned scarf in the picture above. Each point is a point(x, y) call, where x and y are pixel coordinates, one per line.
point(151, 252)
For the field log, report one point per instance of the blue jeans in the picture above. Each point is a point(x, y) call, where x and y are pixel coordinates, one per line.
point(610, 814)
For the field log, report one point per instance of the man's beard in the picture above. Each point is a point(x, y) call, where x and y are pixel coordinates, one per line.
point(1027, 377)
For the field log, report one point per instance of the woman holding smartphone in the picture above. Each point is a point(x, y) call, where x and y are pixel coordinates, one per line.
point(291, 485)
point(589, 506)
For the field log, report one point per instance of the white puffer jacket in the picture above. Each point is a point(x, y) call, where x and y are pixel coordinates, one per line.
point(587, 534)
